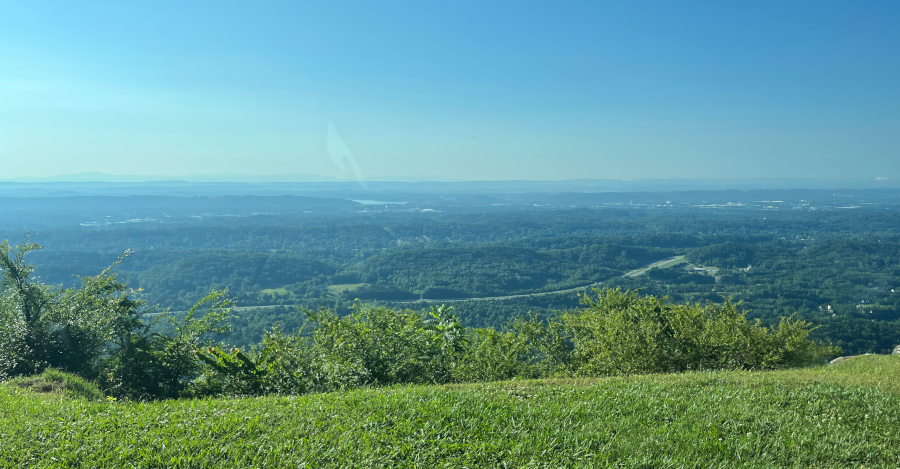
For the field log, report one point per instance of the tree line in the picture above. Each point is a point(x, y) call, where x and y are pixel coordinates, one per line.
point(99, 331)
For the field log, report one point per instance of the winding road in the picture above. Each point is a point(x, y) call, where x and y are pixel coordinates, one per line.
point(631, 273)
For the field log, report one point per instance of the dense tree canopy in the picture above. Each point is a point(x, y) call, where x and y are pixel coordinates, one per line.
point(99, 332)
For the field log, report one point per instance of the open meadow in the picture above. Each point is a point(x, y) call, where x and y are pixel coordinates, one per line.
point(844, 415)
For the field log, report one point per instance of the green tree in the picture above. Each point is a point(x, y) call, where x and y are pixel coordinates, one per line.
point(152, 365)
point(26, 346)
point(97, 331)
point(70, 329)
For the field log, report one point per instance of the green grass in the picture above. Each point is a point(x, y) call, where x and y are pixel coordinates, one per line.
point(663, 264)
point(55, 383)
point(281, 291)
point(672, 263)
point(339, 288)
point(846, 415)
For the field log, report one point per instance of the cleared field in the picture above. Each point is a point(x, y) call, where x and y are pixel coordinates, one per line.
point(663, 264)
point(844, 415)
point(339, 288)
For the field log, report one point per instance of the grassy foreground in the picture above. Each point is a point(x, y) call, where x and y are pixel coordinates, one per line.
point(846, 415)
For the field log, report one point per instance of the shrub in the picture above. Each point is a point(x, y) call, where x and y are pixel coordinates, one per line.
point(492, 356)
point(377, 345)
point(70, 329)
point(622, 332)
point(152, 366)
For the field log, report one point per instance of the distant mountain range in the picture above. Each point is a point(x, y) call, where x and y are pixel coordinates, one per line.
point(223, 177)
point(242, 184)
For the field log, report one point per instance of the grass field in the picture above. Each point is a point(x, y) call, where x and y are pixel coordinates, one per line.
point(846, 415)
point(339, 288)
point(663, 264)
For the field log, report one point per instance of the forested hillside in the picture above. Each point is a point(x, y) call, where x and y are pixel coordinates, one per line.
point(829, 256)
point(101, 332)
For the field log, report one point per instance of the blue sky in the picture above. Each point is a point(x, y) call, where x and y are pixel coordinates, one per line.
point(451, 90)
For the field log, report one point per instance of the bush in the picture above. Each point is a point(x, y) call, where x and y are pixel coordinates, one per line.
point(280, 364)
point(70, 329)
point(153, 366)
point(622, 332)
point(380, 346)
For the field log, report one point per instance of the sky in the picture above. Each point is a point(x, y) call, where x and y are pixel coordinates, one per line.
point(458, 90)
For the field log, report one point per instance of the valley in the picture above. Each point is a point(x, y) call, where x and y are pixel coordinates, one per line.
point(494, 252)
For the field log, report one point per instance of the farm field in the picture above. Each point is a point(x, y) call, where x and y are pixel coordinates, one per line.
point(843, 415)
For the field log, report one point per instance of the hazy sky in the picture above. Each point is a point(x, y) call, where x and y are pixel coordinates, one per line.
point(451, 90)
